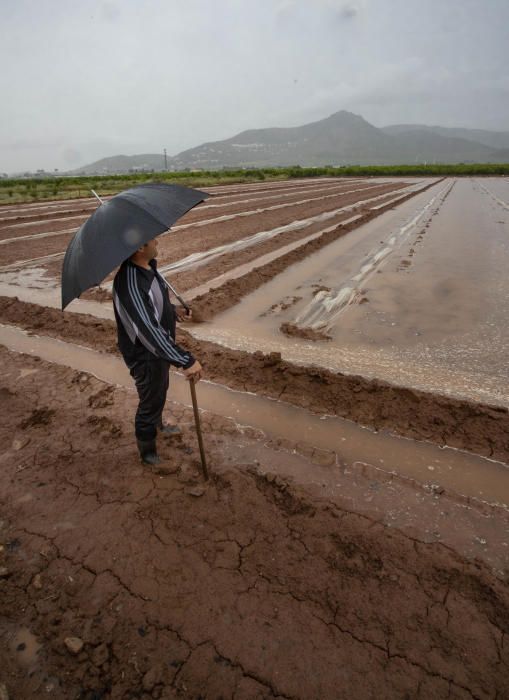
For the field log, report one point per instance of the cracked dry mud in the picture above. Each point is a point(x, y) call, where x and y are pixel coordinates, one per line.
point(255, 589)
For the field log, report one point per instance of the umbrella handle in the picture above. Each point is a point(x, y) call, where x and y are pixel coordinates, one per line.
point(172, 289)
point(97, 196)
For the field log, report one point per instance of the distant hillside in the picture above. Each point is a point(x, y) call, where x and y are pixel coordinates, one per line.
point(341, 139)
point(493, 139)
point(123, 164)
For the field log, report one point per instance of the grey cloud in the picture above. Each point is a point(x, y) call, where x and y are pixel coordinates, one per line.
point(348, 12)
point(110, 11)
point(24, 144)
point(72, 157)
point(94, 79)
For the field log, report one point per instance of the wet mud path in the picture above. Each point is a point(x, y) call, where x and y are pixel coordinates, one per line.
point(330, 440)
point(132, 585)
point(443, 420)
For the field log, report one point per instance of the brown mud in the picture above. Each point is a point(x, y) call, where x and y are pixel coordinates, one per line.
point(268, 199)
point(293, 331)
point(477, 428)
point(196, 276)
point(120, 584)
point(173, 245)
point(282, 305)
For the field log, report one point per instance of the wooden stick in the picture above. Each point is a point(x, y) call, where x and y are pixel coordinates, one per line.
point(198, 429)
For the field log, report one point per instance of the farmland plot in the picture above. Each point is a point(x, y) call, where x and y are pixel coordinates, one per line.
point(415, 297)
point(354, 536)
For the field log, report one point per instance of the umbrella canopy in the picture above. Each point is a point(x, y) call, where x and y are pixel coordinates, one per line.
point(118, 228)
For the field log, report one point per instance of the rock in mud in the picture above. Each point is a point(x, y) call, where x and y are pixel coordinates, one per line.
point(19, 444)
point(74, 645)
point(4, 572)
point(4, 693)
point(37, 582)
point(272, 359)
point(196, 491)
point(324, 458)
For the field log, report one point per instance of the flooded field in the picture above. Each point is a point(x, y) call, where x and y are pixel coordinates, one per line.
point(414, 297)
point(355, 411)
point(394, 281)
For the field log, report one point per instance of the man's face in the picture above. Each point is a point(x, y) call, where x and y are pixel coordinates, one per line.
point(151, 249)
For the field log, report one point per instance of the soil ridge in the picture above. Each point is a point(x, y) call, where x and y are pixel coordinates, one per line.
point(479, 428)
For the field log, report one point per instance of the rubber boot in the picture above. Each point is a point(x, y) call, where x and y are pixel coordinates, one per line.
point(148, 452)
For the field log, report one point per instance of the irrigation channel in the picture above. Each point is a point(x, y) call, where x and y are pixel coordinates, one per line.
point(465, 474)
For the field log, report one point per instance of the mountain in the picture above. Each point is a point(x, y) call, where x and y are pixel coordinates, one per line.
point(123, 164)
point(494, 139)
point(341, 139)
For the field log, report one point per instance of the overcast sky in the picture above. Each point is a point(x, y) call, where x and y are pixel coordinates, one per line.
point(95, 78)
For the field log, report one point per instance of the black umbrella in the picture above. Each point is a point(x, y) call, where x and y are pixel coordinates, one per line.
point(118, 228)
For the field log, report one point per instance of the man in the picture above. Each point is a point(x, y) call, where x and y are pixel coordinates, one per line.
point(146, 322)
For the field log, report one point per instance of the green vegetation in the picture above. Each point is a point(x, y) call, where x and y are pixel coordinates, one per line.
point(40, 188)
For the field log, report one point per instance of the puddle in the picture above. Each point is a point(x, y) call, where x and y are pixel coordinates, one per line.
point(50, 295)
point(262, 260)
point(29, 278)
point(490, 192)
point(460, 472)
point(323, 310)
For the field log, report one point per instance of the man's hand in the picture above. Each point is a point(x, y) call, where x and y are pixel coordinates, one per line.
point(194, 372)
point(183, 314)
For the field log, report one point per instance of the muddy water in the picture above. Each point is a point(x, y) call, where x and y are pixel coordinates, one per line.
point(45, 293)
point(414, 297)
point(498, 190)
point(260, 261)
point(355, 446)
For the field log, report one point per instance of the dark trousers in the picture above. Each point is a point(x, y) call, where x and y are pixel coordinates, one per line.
point(152, 380)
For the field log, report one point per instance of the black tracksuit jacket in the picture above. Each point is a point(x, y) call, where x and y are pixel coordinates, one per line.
point(146, 318)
